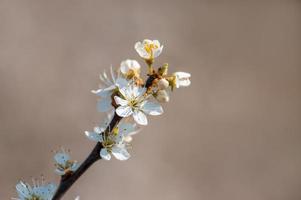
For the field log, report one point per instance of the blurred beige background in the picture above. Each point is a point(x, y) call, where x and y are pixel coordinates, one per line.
point(233, 135)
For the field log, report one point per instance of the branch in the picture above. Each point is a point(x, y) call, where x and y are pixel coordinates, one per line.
point(68, 180)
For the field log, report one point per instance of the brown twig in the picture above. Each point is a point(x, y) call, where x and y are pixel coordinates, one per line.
point(68, 181)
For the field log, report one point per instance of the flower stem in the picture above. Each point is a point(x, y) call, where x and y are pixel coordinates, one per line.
point(68, 181)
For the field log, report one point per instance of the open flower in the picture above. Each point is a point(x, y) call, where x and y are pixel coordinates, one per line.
point(130, 68)
point(64, 164)
point(36, 192)
point(111, 84)
point(115, 143)
point(181, 79)
point(133, 102)
point(149, 49)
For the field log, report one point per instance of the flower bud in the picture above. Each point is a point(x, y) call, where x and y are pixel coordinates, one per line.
point(163, 84)
point(162, 96)
point(130, 68)
point(163, 70)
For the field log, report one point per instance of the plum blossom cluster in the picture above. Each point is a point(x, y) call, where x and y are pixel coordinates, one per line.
point(38, 191)
point(125, 92)
point(127, 97)
point(115, 143)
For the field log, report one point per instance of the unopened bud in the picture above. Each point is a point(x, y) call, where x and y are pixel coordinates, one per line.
point(163, 70)
point(162, 96)
point(163, 84)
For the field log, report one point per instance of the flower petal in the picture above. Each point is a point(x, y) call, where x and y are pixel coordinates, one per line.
point(61, 158)
point(141, 50)
point(120, 101)
point(128, 65)
point(126, 92)
point(185, 82)
point(121, 82)
point(104, 104)
point(124, 111)
point(23, 190)
point(74, 167)
point(104, 154)
point(140, 91)
point(140, 117)
point(181, 75)
point(94, 136)
point(126, 128)
point(59, 172)
point(45, 192)
point(158, 51)
point(120, 153)
point(152, 108)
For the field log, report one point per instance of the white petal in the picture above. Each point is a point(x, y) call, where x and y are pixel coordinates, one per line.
point(156, 43)
point(45, 191)
point(59, 172)
point(125, 91)
point(104, 104)
point(181, 75)
point(135, 65)
point(23, 190)
point(152, 108)
point(184, 82)
point(124, 111)
point(104, 154)
point(140, 91)
point(61, 158)
point(74, 167)
point(128, 64)
point(120, 101)
point(107, 92)
point(157, 52)
point(141, 51)
point(140, 117)
point(120, 153)
point(126, 128)
point(121, 82)
point(94, 136)
point(97, 92)
point(98, 129)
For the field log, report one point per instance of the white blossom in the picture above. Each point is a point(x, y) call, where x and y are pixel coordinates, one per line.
point(181, 79)
point(133, 102)
point(116, 142)
point(128, 67)
point(39, 191)
point(149, 49)
point(64, 164)
point(110, 86)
